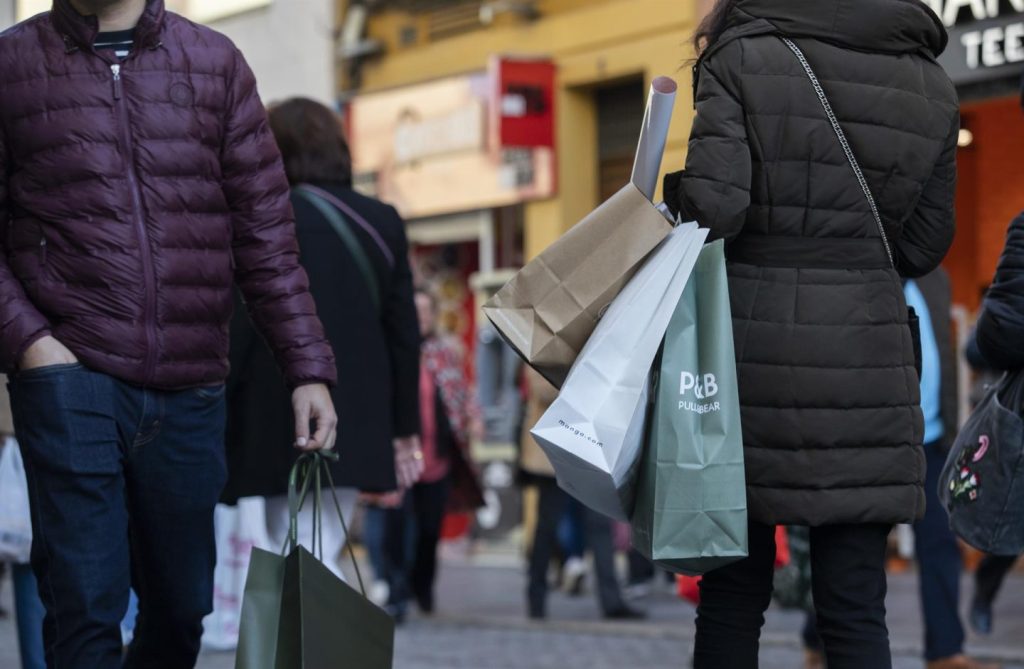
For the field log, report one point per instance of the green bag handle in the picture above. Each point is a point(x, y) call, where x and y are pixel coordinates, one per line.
point(337, 221)
point(309, 468)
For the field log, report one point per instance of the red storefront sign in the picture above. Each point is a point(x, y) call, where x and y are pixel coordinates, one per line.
point(524, 109)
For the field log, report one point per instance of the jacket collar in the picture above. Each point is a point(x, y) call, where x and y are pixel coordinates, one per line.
point(880, 26)
point(80, 31)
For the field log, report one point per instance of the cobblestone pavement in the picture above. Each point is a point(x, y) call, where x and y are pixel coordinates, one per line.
point(481, 626)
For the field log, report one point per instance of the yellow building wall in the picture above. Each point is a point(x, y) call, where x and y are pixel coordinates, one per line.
point(592, 42)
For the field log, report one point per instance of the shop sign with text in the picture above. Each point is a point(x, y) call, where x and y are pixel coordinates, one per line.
point(463, 143)
point(986, 38)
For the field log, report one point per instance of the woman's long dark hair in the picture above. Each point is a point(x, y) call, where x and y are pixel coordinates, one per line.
point(713, 25)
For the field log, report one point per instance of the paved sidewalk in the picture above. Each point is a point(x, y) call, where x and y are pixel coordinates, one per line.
point(481, 626)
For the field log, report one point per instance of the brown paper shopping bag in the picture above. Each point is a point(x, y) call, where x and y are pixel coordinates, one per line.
point(550, 307)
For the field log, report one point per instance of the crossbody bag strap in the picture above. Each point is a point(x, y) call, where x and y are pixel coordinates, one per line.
point(352, 243)
point(846, 145)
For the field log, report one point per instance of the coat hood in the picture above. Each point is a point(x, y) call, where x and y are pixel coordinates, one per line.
point(888, 26)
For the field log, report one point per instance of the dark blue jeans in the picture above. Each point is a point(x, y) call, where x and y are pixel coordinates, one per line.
point(939, 567)
point(123, 483)
point(374, 528)
point(29, 611)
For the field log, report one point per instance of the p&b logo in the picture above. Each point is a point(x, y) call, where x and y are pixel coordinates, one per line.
point(703, 387)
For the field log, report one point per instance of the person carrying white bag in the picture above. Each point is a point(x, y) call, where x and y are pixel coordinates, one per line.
point(594, 431)
point(239, 529)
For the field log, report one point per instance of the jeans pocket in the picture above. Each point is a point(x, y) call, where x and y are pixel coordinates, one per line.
point(64, 418)
point(47, 370)
point(210, 393)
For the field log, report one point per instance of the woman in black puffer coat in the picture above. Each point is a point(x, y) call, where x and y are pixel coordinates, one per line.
point(831, 419)
point(999, 343)
point(1000, 332)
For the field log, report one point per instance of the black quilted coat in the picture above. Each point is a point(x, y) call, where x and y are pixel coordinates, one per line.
point(831, 417)
point(1000, 330)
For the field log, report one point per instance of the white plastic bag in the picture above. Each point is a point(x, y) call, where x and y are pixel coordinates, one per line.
point(15, 516)
point(239, 529)
point(593, 432)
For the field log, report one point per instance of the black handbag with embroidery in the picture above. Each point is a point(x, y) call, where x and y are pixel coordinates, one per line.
point(982, 484)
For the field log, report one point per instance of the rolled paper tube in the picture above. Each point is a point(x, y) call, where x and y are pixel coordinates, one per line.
point(653, 135)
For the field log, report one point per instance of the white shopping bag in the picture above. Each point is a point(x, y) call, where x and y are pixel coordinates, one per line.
point(238, 529)
point(594, 431)
point(15, 516)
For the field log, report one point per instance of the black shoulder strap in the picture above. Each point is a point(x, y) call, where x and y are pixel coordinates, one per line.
point(352, 243)
point(845, 144)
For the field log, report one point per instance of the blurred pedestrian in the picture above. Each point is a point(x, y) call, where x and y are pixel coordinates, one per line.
point(826, 359)
point(572, 548)
point(28, 606)
point(997, 344)
point(940, 564)
point(551, 507)
point(370, 315)
point(450, 420)
point(141, 183)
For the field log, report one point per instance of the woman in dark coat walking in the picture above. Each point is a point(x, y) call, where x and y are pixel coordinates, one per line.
point(365, 300)
point(830, 400)
point(999, 343)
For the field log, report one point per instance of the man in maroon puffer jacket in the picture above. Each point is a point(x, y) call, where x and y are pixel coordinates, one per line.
point(139, 181)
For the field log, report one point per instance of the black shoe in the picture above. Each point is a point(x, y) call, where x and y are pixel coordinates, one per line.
point(425, 605)
point(624, 613)
point(981, 618)
point(398, 613)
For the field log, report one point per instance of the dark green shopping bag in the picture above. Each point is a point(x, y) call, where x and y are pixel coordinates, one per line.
point(691, 508)
point(296, 613)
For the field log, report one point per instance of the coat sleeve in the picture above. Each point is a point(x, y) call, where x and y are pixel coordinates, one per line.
point(928, 232)
point(21, 324)
point(714, 189)
point(274, 285)
point(401, 327)
point(1000, 333)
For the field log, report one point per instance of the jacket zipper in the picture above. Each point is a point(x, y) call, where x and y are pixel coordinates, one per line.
point(148, 276)
point(42, 250)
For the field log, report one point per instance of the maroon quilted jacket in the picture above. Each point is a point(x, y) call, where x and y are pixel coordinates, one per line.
point(132, 193)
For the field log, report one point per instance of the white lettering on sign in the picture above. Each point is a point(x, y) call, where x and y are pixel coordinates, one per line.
point(994, 47)
point(1015, 42)
point(949, 10)
point(978, 8)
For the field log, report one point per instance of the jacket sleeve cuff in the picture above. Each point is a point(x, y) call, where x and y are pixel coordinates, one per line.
point(312, 373)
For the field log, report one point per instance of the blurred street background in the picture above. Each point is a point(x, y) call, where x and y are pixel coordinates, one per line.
point(480, 625)
point(493, 126)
